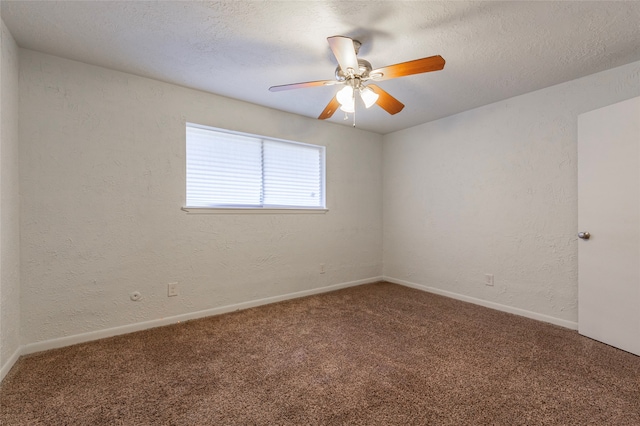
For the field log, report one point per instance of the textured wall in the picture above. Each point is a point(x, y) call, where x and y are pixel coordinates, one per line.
point(9, 204)
point(103, 162)
point(494, 190)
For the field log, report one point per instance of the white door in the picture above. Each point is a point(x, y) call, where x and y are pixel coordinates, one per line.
point(609, 210)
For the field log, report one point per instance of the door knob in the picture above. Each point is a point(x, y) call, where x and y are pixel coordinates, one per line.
point(584, 235)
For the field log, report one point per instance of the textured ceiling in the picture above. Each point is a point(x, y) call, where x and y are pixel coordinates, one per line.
point(494, 50)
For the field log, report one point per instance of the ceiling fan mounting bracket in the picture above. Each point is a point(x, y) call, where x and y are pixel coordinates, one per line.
point(356, 46)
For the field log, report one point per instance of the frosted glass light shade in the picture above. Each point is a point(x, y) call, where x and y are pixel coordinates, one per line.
point(345, 95)
point(346, 100)
point(349, 107)
point(369, 97)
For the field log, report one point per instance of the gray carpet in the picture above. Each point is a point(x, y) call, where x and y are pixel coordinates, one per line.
point(373, 354)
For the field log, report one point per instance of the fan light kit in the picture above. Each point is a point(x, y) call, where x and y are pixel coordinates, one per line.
point(353, 73)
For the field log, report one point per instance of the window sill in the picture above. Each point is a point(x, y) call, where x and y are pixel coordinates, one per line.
point(223, 210)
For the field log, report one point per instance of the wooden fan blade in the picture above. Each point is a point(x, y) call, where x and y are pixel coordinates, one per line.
point(303, 85)
point(432, 63)
point(345, 53)
point(386, 101)
point(330, 109)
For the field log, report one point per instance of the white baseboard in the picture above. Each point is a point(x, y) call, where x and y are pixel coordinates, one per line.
point(6, 367)
point(493, 305)
point(130, 328)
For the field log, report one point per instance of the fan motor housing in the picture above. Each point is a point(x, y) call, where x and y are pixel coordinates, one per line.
point(364, 68)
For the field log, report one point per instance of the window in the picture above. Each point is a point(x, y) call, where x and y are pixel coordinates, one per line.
point(235, 170)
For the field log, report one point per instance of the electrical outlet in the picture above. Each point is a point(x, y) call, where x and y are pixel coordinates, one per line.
point(488, 279)
point(172, 289)
point(322, 268)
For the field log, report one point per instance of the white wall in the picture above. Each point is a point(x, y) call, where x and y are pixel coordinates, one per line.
point(103, 180)
point(494, 190)
point(9, 206)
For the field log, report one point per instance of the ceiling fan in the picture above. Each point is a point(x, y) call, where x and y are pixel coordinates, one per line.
point(355, 74)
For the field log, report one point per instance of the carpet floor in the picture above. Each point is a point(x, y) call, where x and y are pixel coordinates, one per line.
point(378, 354)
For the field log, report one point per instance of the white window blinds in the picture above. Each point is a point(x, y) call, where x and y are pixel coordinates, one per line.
point(244, 171)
